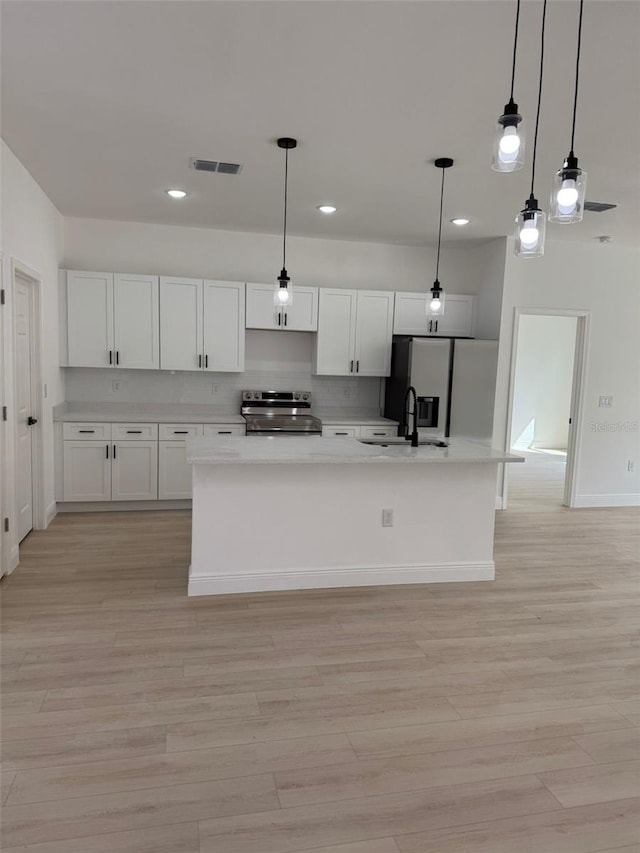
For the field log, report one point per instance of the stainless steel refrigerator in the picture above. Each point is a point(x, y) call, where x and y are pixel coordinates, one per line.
point(455, 382)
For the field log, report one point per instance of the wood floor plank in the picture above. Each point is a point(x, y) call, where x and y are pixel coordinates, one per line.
point(373, 817)
point(377, 845)
point(413, 772)
point(598, 783)
point(630, 710)
point(609, 747)
point(6, 781)
point(81, 816)
point(175, 838)
point(62, 750)
point(180, 768)
point(577, 830)
point(22, 701)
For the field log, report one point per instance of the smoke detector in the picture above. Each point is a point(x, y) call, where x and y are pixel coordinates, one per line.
point(599, 206)
point(215, 166)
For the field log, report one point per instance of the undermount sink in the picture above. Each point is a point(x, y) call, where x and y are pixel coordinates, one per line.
point(402, 442)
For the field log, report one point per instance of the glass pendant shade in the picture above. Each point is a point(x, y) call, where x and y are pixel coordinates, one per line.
point(568, 193)
point(508, 145)
point(435, 302)
point(530, 231)
point(283, 293)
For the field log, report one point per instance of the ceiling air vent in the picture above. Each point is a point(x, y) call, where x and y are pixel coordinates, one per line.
point(215, 166)
point(598, 206)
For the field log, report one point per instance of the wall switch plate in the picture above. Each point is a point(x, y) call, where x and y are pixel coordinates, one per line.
point(387, 518)
point(115, 386)
point(605, 402)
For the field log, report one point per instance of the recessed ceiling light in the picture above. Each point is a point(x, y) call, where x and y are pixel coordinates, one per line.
point(460, 221)
point(176, 193)
point(327, 208)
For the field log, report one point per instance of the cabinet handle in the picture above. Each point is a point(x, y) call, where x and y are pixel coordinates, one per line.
point(117, 356)
point(110, 357)
point(87, 430)
point(430, 325)
point(224, 432)
point(114, 451)
point(279, 318)
point(181, 432)
point(351, 367)
point(436, 325)
point(107, 451)
point(200, 361)
point(358, 366)
point(341, 433)
point(379, 433)
point(206, 361)
point(134, 432)
point(285, 318)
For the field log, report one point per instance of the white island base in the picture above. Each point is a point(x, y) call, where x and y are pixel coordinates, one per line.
point(306, 513)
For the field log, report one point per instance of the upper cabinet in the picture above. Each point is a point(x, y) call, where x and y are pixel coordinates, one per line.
point(300, 316)
point(410, 317)
point(355, 329)
point(111, 320)
point(201, 325)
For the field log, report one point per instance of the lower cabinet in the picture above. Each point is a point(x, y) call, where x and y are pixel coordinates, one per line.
point(134, 471)
point(359, 431)
point(174, 472)
point(87, 470)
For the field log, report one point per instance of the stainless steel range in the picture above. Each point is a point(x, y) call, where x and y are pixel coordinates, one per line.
point(279, 413)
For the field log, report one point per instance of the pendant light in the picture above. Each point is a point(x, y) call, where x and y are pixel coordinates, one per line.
point(435, 305)
point(283, 294)
point(531, 221)
point(508, 147)
point(570, 182)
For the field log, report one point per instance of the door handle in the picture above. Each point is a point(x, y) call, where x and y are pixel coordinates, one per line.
point(206, 361)
point(31, 421)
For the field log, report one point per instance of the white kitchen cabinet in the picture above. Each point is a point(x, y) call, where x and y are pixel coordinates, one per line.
point(86, 470)
point(355, 329)
point(136, 321)
point(174, 472)
point(340, 431)
point(89, 318)
point(300, 316)
point(378, 431)
point(134, 471)
point(224, 429)
point(410, 317)
point(201, 324)
point(359, 431)
point(111, 320)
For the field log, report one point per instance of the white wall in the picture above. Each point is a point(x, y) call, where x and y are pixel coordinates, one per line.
point(32, 235)
point(544, 377)
point(134, 247)
point(604, 280)
point(489, 261)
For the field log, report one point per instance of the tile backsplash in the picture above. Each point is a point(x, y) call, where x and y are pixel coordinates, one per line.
point(274, 360)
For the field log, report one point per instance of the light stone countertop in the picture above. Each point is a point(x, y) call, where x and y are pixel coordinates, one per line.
point(273, 450)
point(348, 417)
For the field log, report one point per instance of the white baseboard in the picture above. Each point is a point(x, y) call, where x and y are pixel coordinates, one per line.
point(50, 513)
point(14, 558)
point(326, 578)
point(121, 506)
point(581, 501)
point(499, 502)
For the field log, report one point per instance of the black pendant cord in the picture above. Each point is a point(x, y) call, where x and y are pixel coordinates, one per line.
point(535, 136)
point(515, 48)
point(575, 96)
point(440, 227)
point(284, 228)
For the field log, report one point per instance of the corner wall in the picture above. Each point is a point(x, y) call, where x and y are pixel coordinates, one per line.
point(604, 280)
point(32, 236)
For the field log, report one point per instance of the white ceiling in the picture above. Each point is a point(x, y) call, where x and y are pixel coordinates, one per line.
point(105, 102)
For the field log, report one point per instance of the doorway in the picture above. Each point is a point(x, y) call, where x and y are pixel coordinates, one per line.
point(26, 412)
point(544, 407)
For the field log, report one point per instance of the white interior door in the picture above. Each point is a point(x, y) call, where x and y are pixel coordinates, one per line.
point(223, 323)
point(23, 301)
point(136, 321)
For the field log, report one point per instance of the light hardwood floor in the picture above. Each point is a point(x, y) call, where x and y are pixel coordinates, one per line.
point(473, 718)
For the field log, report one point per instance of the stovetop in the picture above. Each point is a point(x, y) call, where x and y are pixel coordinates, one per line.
point(279, 412)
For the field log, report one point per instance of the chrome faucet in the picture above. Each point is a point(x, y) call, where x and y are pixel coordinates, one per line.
point(413, 437)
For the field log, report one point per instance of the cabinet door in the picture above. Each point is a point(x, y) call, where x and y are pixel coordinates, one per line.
point(136, 321)
point(134, 468)
point(174, 472)
point(338, 431)
point(180, 324)
point(374, 331)
point(410, 314)
point(261, 311)
point(90, 319)
point(302, 315)
point(86, 468)
point(224, 325)
point(335, 342)
point(457, 320)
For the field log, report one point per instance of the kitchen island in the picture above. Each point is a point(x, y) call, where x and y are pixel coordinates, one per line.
point(272, 513)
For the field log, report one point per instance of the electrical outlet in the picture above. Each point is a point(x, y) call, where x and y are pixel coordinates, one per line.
point(115, 385)
point(631, 465)
point(387, 518)
point(214, 389)
point(605, 402)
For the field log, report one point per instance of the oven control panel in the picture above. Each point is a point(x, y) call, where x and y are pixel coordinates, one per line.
point(281, 397)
